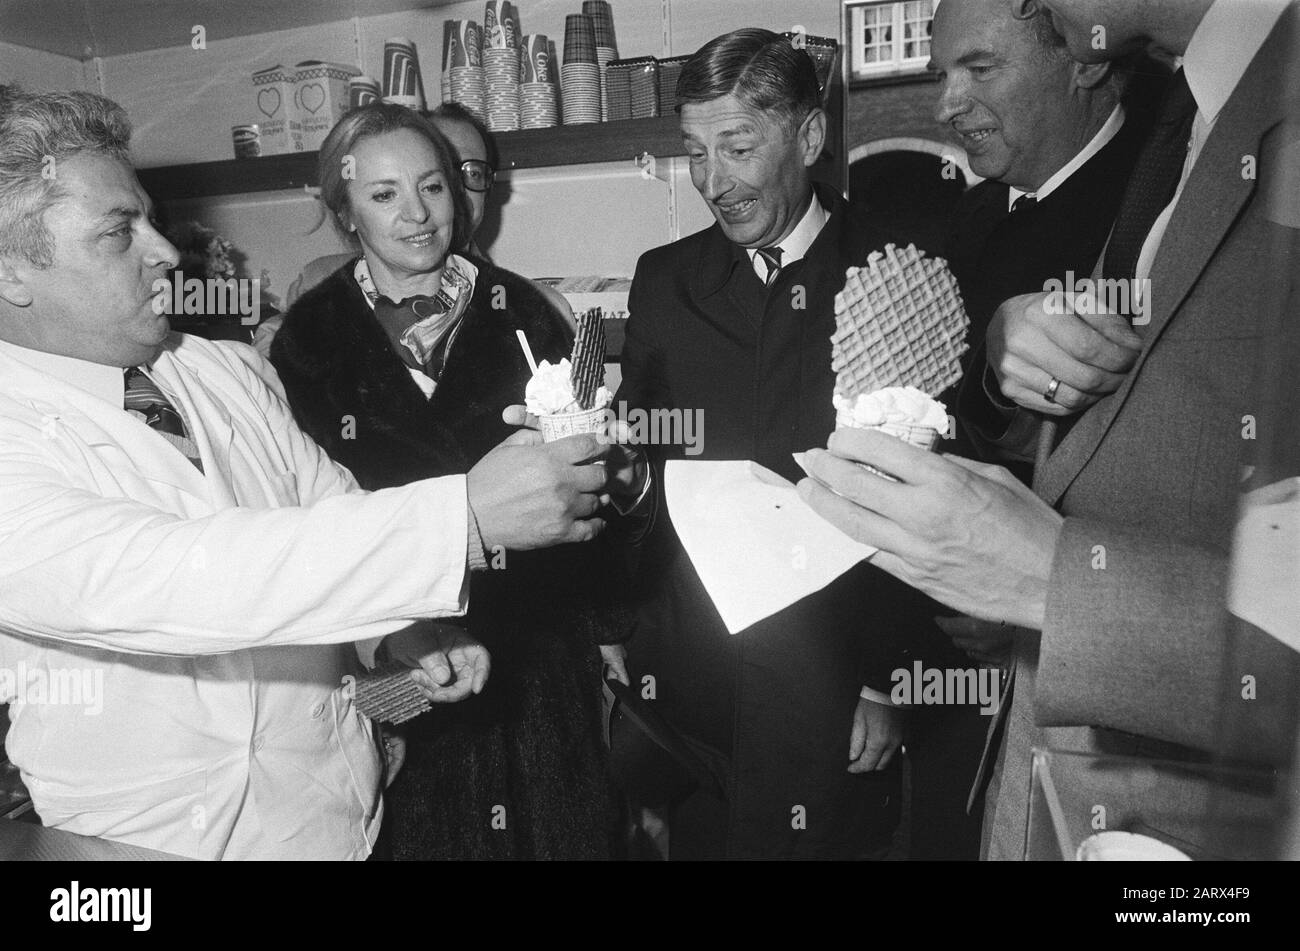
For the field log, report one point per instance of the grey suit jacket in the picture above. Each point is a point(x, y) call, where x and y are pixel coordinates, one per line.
point(1135, 655)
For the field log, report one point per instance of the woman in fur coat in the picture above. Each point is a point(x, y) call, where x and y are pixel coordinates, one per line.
point(399, 365)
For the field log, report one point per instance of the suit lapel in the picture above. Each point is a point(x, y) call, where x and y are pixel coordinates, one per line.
point(1213, 199)
point(721, 273)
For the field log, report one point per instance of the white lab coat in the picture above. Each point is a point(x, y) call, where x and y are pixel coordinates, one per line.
point(117, 555)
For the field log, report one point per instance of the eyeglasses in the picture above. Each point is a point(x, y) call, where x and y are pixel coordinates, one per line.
point(477, 175)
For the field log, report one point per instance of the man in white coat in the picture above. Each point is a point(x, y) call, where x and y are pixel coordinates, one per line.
point(200, 559)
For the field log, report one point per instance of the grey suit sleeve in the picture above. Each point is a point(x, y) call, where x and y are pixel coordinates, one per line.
point(1134, 637)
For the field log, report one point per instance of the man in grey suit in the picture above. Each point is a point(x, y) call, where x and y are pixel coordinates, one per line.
point(1113, 572)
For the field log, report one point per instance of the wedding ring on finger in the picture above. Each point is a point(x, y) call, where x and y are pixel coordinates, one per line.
point(876, 472)
point(1049, 394)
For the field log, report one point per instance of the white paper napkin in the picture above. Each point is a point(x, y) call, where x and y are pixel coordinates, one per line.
point(755, 544)
point(1264, 581)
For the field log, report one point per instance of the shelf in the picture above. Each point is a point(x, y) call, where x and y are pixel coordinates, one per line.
point(531, 148)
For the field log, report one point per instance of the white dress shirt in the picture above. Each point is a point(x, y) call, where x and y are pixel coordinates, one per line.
point(1220, 52)
point(213, 607)
point(1108, 131)
point(796, 244)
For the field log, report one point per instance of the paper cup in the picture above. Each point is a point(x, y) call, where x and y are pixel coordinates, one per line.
point(363, 90)
point(571, 424)
point(247, 140)
point(1127, 847)
point(401, 84)
point(579, 39)
point(535, 61)
point(494, 27)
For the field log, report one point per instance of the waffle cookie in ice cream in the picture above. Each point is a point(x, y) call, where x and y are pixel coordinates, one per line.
point(900, 321)
point(588, 358)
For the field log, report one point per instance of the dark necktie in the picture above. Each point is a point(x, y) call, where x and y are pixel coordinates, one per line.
point(1154, 180)
point(1024, 203)
point(1150, 189)
point(772, 257)
point(144, 400)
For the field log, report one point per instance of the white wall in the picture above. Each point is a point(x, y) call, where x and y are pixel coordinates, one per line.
point(590, 219)
point(38, 71)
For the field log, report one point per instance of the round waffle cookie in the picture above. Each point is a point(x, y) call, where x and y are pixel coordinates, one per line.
point(900, 321)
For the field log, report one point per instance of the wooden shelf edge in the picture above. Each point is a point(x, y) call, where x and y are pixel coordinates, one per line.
point(530, 148)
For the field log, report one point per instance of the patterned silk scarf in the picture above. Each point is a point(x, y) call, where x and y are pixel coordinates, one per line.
point(437, 318)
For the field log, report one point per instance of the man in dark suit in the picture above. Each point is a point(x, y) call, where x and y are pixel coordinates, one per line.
point(1055, 140)
point(1048, 134)
point(735, 322)
point(1114, 572)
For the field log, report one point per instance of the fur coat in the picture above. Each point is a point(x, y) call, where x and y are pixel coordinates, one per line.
point(518, 771)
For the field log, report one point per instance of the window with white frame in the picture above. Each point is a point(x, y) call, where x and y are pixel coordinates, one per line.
point(888, 38)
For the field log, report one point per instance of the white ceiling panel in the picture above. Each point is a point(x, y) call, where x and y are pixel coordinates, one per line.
point(86, 28)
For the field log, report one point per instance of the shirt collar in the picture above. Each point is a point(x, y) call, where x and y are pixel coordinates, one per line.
point(100, 381)
point(797, 243)
point(1221, 49)
point(1099, 141)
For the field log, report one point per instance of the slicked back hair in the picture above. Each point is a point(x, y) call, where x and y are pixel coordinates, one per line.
point(37, 132)
point(381, 118)
point(762, 69)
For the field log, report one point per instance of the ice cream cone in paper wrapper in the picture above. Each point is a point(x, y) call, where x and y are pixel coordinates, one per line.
point(900, 329)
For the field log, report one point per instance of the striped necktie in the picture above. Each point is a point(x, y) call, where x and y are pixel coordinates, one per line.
point(147, 403)
point(772, 258)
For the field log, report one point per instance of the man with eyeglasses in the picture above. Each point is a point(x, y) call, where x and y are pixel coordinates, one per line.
point(477, 151)
point(478, 158)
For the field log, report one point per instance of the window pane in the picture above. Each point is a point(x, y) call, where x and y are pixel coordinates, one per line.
point(918, 16)
point(878, 34)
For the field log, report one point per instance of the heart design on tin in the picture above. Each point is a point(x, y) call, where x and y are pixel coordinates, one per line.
point(269, 92)
point(312, 93)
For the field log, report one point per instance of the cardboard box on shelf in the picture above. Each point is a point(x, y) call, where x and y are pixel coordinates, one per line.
point(275, 110)
point(321, 98)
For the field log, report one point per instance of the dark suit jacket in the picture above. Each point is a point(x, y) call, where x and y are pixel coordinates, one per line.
point(777, 699)
point(1134, 656)
point(996, 255)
